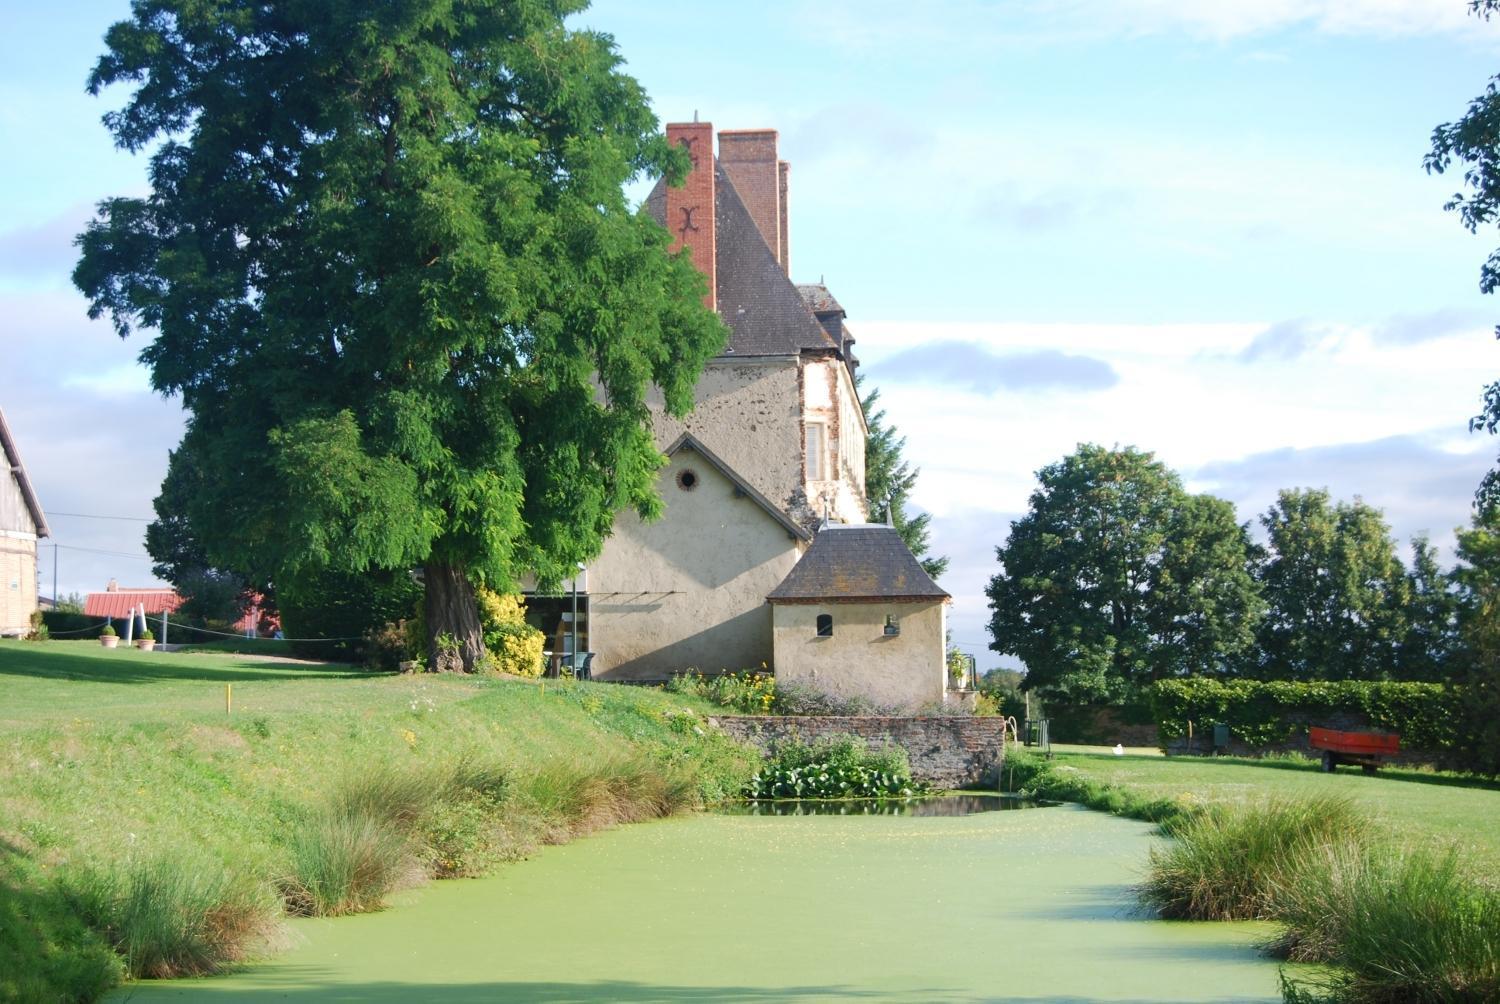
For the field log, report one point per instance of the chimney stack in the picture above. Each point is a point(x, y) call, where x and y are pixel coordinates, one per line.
point(786, 250)
point(690, 209)
point(748, 157)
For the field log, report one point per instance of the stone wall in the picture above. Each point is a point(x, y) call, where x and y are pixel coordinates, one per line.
point(945, 751)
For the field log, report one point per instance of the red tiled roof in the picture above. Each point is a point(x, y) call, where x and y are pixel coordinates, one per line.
point(119, 603)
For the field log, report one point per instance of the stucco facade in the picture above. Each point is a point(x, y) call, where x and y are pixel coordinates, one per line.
point(859, 659)
point(688, 591)
point(22, 523)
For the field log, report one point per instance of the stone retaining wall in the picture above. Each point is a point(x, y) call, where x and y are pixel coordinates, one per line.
point(946, 751)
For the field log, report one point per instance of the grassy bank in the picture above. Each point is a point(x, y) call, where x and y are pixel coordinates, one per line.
point(1387, 881)
point(145, 828)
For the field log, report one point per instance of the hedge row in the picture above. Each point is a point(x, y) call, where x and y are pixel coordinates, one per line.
point(1267, 713)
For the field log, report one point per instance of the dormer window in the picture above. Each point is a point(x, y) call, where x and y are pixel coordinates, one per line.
point(815, 445)
point(825, 625)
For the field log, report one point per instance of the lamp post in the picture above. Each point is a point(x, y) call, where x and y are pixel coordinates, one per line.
point(573, 647)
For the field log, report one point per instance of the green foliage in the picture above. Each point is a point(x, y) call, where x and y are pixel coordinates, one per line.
point(177, 915)
point(749, 692)
point(393, 275)
point(1034, 776)
point(1258, 712)
point(1336, 591)
point(108, 632)
point(515, 646)
point(1230, 862)
point(47, 953)
point(345, 861)
point(346, 607)
point(1116, 577)
point(839, 766)
point(1391, 924)
point(889, 479)
point(1472, 143)
point(1478, 580)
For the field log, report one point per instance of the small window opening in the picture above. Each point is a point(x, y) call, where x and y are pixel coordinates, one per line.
point(825, 625)
point(687, 479)
point(814, 449)
point(892, 626)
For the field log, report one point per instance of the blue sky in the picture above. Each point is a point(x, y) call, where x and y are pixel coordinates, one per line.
point(1200, 229)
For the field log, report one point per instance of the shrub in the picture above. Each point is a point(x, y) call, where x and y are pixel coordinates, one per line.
point(749, 692)
point(1264, 713)
point(108, 632)
point(39, 630)
point(1228, 862)
point(840, 766)
point(515, 645)
point(171, 915)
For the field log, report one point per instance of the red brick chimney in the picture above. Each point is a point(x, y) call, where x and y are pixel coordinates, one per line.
point(786, 249)
point(748, 157)
point(690, 209)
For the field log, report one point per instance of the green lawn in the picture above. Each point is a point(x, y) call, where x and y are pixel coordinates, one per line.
point(1408, 803)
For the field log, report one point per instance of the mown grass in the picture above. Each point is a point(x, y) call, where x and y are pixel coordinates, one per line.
point(1392, 912)
point(322, 792)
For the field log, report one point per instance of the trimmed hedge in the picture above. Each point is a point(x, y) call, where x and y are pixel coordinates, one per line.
point(1268, 713)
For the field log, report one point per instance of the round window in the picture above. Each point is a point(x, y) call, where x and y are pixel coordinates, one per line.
point(687, 479)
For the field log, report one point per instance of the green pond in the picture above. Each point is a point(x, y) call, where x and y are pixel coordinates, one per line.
point(1020, 906)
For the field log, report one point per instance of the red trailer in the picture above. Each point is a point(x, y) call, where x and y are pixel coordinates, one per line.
point(1368, 750)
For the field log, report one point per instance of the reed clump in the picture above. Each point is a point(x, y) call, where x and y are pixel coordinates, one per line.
point(1229, 862)
point(175, 914)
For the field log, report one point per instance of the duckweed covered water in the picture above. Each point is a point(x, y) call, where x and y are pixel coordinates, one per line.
point(957, 804)
point(1019, 906)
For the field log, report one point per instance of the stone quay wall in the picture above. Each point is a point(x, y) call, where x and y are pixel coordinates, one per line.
point(946, 751)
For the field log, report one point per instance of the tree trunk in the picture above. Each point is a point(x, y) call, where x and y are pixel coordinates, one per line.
point(453, 618)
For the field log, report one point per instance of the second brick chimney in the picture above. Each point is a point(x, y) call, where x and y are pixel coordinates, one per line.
point(748, 157)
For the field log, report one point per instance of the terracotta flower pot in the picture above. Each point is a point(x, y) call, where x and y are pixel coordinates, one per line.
point(146, 644)
point(109, 640)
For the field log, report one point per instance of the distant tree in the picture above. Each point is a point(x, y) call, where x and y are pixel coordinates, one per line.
point(69, 604)
point(889, 479)
point(1474, 142)
point(1427, 649)
point(1117, 577)
point(1478, 579)
point(395, 279)
point(1336, 592)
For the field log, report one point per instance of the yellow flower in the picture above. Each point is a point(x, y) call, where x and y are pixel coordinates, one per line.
point(409, 736)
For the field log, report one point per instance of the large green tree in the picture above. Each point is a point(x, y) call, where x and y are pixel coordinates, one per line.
point(393, 277)
point(889, 479)
point(1117, 576)
point(1336, 591)
point(1473, 143)
point(1478, 579)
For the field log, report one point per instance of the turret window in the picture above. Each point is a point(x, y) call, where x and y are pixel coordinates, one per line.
point(815, 446)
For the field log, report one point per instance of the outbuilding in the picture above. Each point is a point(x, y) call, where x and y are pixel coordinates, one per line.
point(858, 617)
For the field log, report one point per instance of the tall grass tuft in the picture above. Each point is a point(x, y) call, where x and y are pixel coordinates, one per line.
point(1229, 862)
point(344, 861)
point(175, 915)
point(564, 799)
point(1396, 926)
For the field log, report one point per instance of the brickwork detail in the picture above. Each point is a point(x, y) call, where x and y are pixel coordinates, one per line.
point(690, 209)
point(748, 157)
point(945, 751)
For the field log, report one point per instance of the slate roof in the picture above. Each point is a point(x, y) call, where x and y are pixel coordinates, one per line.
point(766, 314)
point(18, 470)
point(688, 441)
point(818, 298)
point(853, 563)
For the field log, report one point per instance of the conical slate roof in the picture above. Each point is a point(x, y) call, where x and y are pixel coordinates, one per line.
point(854, 563)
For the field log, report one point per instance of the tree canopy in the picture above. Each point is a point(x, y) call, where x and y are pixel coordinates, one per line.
point(1336, 591)
point(1474, 142)
point(1117, 576)
point(394, 278)
point(888, 482)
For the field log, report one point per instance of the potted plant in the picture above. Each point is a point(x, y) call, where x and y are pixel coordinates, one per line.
point(146, 642)
point(107, 637)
